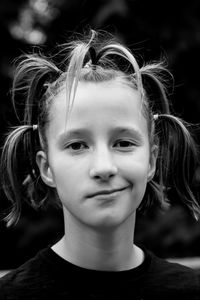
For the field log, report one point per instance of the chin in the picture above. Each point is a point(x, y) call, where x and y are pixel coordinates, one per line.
point(111, 221)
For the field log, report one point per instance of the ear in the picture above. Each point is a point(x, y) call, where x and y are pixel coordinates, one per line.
point(152, 162)
point(45, 170)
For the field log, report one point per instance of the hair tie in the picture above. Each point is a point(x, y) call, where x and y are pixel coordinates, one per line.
point(35, 127)
point(155, 117)
point(92, 63)
point(93, 56)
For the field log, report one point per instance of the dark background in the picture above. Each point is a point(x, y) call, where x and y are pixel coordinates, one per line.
point(151, 28)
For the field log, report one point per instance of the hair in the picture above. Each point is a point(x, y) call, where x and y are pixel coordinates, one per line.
point(94, 58)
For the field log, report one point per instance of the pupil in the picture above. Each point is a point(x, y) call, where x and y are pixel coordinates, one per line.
point(76, 146)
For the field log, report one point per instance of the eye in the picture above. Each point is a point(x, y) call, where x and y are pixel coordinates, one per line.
point(124, 144)
point(77, 146)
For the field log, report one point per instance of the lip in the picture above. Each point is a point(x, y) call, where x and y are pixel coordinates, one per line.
point(106, 192)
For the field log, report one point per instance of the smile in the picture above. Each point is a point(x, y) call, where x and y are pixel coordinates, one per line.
point(106, 192)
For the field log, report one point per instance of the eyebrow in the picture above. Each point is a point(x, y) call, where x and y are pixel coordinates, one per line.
point(86, 132)
point(73, 133)
point(128, 130)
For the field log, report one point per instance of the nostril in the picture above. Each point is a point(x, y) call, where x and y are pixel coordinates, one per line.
point(103, 173)
point(104, 176)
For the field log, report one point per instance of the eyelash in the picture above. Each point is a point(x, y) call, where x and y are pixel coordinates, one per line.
point(130, 145)
point(76, 143)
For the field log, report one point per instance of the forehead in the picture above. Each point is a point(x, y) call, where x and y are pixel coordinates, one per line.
point(99, 105)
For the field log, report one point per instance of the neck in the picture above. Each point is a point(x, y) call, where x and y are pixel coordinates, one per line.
point(108, 250)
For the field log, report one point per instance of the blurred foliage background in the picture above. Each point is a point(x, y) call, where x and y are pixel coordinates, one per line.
point(152, 28)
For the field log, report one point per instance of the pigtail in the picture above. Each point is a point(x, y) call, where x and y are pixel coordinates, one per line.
point(177, 160)
point(34, 76)
point(11, 170)
point(177, 150)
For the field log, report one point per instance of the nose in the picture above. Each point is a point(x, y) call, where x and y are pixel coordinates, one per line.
point(103, 166)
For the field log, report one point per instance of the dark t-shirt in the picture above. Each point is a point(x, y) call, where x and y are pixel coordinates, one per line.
point(48, 276)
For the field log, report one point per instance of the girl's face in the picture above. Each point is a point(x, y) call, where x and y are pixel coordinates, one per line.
point(101, 162)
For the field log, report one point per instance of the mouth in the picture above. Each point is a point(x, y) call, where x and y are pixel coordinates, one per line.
point(106, 192)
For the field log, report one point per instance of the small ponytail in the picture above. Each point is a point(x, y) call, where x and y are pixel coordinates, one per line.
point(32, 77)
point(178, 159)
point(153, 77)
point(101, 57)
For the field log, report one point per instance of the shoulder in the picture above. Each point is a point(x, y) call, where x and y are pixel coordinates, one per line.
point(172, 277)
point(28, 276)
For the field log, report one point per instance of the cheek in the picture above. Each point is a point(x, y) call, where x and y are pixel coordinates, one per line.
point(136, 173)
point(67, 176)
point(136, 167)
point(67, 191)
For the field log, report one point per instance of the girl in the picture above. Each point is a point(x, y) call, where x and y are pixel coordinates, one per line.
point(99, 140)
